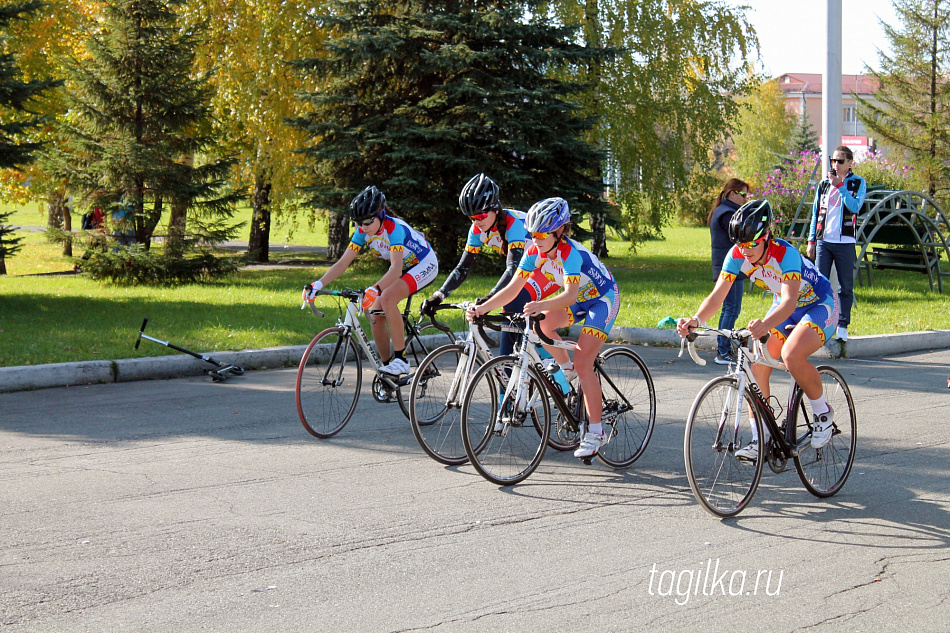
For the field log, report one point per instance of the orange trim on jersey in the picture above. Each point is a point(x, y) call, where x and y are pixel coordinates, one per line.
point(353, 247)
point(572, 279)
point(727, 276)
point(570, 317)
point(821, 332)
point(790, 276)
point(524, 274)
point(781, 335)
point(473, 249)
point(396, 248)
point(594, 332)
point(515, 245)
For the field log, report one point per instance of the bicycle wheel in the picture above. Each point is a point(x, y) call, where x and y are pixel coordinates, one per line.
point(435, 404)
point(629, 406)
point(505, 443)
point(823, 471)
point(328, 382)
point(723, 484)
point(417, 350)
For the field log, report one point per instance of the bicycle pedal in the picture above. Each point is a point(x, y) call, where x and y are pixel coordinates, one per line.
point(587, 460)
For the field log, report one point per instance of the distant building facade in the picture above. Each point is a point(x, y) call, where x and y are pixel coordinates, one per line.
point(803, 92)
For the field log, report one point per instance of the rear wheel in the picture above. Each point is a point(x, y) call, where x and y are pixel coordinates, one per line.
point(823, 471)
point(329, 378)
point(505, 441)
point(416, 352)
point(723, 484)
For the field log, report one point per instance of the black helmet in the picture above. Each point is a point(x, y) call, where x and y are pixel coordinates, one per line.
point(752, 221)
point(479, 195)
point(368, 203)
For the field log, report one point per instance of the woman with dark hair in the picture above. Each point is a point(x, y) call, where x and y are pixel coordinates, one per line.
point(728, 201)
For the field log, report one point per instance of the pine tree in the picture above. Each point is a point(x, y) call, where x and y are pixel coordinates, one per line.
point(423, 95)
point(804, 138)
point(15, 119)
point(914, 92)
point(139, 117)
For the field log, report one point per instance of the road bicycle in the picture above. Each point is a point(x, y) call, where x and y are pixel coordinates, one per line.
point(438, 386)
point(330, 374)
point(725, 483)
point(506, 410)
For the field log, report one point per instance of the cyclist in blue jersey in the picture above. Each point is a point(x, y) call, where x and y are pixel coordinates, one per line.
point(494, 229)
point(803, 315)
point(590, 293)
point(412, 266)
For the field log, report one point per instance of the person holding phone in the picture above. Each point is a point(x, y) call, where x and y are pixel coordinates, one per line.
point(834, 223)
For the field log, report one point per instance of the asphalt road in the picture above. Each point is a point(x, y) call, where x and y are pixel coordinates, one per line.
point(186, 505)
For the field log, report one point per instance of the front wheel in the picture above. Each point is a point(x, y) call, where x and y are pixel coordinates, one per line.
point(505, 440)
point(328, 382)
point(435, 403)
point(723, 483)
point(416, 351)
point(823, 471)
point(629, 406)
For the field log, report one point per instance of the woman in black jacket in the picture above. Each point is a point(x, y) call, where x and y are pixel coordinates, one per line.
point(732, 196)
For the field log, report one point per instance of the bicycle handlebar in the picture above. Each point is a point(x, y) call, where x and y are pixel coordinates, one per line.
point(759, 347)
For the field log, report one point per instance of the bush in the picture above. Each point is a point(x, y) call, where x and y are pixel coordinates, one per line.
point(694, 201)
point(877, 170)
point(785, 186)
point(135, 266)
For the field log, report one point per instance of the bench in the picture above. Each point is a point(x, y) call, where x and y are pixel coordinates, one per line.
point(903, 251)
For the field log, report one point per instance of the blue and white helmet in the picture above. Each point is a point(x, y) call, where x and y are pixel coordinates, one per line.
point(547, 216)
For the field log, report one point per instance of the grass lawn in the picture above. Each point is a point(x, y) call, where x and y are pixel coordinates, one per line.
point(57, 318)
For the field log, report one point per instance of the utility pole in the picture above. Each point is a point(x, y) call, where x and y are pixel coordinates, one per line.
point(832, 114)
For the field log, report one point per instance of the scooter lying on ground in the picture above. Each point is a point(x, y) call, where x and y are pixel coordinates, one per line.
point(223, 370)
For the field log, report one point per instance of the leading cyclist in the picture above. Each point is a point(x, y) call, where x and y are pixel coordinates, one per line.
point(412, 266)
point(804, 302)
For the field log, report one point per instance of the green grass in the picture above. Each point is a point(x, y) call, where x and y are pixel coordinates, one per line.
point(61, 318)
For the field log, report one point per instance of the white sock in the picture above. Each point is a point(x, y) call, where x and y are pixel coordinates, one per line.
point(819, 406)
point(755, 432)
point(568, 366)
point(596, 429)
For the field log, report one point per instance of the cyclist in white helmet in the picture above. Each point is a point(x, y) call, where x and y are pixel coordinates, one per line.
point(590, 293)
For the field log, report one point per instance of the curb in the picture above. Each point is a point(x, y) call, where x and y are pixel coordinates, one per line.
point(29, 377)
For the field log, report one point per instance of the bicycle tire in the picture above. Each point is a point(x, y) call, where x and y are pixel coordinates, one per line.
point(824, 471)
point(416, 352)
point(722, 484)
point(510, 456)
point(629, 406)
point(324, 409)
point(436, 422)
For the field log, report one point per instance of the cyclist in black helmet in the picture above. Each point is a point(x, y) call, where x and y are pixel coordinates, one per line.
point(412, 266)
point(494, 229)
point(803, 315)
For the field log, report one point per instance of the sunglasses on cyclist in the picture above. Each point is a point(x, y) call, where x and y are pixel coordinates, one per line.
point(540, 236)
point(365, 222)
point(751, 245)
point(478, 217)
point(742, 193)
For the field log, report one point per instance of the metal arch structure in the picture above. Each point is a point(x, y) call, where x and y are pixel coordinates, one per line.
point(910, 214)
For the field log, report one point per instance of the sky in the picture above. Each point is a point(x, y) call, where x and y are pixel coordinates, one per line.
point(792, 34)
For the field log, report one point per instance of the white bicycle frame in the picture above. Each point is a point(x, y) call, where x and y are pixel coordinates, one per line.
point(518, 382)
point(756, 353)
point(351, 323)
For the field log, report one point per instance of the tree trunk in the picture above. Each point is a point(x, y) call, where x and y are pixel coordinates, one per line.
point(145, 223)
point(68, 228)
point(258, 243)
point(338, 234)
point(177, 220)
point(57, 217)
point(3, 266)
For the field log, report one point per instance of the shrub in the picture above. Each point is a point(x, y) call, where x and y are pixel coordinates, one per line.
point(135, 266)
point(878, 170)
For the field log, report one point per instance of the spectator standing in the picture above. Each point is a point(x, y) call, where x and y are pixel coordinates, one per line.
point(732, 196)
point(834, 221)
